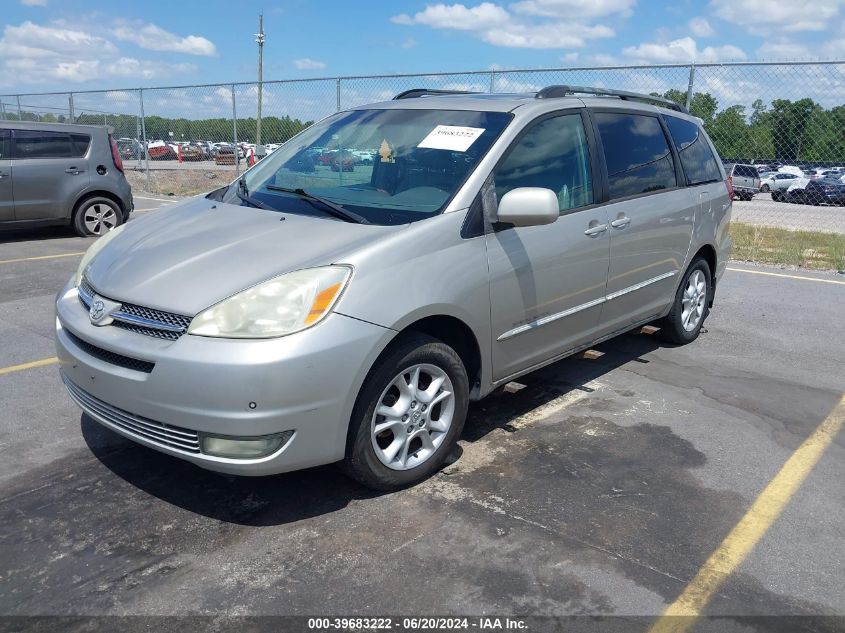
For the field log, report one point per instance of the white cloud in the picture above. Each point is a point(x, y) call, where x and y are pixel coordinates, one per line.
point(34, 3)
point(551, 35)
point(33, 41)
point(145, 69)
point(573, 8)
point(155, 38)
point(33, 54)
point(457, 16)
point(494, 25)
point(767, 16)
point(308, 64)
point(682, 50)
point(700, 27)
point(569, 58)
point(783, 50)
point(602, 59)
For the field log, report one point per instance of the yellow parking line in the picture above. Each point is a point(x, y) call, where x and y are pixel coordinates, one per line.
point(801, 277)
point(32, 259)
point(682, 613)
point(36, 363)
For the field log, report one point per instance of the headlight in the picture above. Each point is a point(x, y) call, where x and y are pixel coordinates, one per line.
point(283, 305)
point(92, 251)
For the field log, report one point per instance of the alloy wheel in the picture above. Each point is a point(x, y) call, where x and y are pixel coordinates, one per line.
point(413, 416)
point(694, 301)
point(100, 218)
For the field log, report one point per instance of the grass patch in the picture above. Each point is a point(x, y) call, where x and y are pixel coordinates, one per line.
point(770, 245)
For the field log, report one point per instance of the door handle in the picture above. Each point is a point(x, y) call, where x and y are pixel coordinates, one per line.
point(598, 229)
point(74, 171)
point(621, 223)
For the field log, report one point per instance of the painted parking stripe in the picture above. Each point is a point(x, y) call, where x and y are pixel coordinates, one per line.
point(44, 362)
point(32, 259)
point(682, 614)
point(800, 277)
point(156, 199)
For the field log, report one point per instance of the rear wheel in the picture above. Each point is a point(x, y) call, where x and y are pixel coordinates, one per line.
point(96, 216)
point(691, 305)
point(409, 414)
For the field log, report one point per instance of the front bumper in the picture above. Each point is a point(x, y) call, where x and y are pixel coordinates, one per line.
point(306, 383)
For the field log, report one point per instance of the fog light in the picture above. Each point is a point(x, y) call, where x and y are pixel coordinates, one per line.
point(243, 447)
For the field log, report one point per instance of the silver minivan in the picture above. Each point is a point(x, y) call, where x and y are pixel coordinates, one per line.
point(304, 315)
point(57, 173)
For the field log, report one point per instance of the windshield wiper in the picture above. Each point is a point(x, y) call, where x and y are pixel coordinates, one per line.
point(330, 207)
point(243, 193)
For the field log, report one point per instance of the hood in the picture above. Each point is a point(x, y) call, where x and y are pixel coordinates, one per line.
point(188, 257)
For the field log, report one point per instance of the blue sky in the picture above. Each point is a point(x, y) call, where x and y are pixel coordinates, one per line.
point(77, 44)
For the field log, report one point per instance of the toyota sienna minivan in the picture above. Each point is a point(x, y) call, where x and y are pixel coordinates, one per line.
point(303, 316)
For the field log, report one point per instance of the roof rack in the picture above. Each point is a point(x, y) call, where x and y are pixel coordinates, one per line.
point(413, 93)
point(552, 92)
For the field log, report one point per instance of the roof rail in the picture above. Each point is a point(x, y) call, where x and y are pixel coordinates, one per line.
point(552, 92)
point(413, 93)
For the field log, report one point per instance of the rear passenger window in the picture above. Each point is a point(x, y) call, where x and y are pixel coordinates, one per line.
point(553, 154)
point(36, 144)
point(697, 158)
point(636, 153)
point(80, 144)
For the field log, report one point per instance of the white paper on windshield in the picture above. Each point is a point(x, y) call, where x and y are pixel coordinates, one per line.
point(451, 137)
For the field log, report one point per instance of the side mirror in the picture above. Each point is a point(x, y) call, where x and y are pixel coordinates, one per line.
point(528, 206)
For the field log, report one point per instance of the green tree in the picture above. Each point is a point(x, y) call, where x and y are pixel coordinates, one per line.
point(790, 121)
point(730, 133)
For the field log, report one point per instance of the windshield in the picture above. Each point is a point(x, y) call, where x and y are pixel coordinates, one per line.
point(386, 166)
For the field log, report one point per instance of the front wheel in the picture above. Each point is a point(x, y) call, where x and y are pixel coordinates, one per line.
point(690, 307)
point(765, 189)
point(409, 414)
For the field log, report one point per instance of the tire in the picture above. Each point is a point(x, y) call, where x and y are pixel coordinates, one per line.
point(765, 189)
point(672, 326)
point(424, 359)
point(96, 216)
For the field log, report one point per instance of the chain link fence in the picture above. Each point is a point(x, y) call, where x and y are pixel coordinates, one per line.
point(785, 119)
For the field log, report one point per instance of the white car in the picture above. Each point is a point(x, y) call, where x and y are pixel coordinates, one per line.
point(792, 169)
point(777, 182)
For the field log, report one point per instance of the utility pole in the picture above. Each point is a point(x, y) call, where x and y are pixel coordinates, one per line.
point(259, 38)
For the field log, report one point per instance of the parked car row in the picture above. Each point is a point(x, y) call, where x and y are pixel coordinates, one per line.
point(827, 190)
point(197, 150)
point(787, 183)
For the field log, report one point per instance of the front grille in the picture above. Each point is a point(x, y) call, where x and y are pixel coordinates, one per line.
point(157, 432)
point(141, 320)
point(111, 357)
point(86, 293)
point(153, 316)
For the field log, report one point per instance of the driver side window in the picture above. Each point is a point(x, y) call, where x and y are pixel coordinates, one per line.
point(553, 154)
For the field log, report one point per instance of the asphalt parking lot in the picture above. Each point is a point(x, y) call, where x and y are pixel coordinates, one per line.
point(593, 487)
